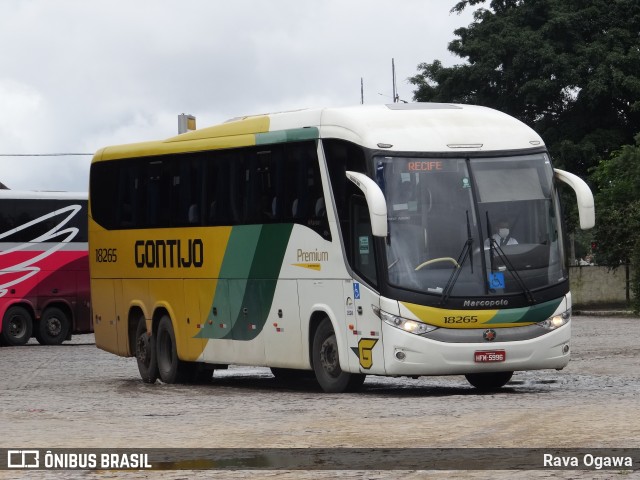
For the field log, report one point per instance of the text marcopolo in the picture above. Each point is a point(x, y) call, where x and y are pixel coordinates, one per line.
point(486, 303)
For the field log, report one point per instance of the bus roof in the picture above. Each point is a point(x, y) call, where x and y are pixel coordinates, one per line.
point(413, 127)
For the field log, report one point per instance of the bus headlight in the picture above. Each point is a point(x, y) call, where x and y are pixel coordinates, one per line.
point(411, 326)
point(556, 321)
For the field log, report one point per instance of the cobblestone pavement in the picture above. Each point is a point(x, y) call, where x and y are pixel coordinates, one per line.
point(76, 395)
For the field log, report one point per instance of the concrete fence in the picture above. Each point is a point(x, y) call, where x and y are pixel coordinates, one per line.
point(598, 286)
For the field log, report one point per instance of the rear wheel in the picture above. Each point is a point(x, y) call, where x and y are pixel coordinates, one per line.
point(326, 362)
point(53, 327)
point(170, 368)
point(17, 326)
point(489, 381)
point(146, 353)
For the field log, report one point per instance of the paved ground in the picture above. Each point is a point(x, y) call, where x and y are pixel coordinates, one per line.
point(75, 395)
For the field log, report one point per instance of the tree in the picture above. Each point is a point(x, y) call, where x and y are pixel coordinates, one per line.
point(568, 68)
point(617, 180)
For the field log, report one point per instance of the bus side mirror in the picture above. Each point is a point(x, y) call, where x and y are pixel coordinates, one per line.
point(375, 202)
point(586, 209)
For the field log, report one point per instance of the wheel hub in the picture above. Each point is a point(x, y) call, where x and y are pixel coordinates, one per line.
point(142, 352)
point(329, 357)
point(17, 327)
point(54, 326)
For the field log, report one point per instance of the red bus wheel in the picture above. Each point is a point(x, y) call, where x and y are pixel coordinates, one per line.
point(17, 326)
point(53, 327)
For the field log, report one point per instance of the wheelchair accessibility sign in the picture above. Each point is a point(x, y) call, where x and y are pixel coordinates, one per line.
point(496, 280)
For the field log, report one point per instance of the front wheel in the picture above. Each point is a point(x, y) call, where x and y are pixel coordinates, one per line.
point(53, 327)
point(489, 381)
point(326, 362)
point(146, 353)
point(17, 326)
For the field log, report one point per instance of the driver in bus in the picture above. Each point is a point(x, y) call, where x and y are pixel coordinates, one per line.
point(502, 235)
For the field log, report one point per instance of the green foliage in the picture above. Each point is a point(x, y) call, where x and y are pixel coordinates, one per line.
point(568, 68)
point(635, 277)
point(617, 181)
point(571, 70)
point(618, 208)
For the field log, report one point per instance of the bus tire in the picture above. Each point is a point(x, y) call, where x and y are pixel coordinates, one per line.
point(170, 368)
point(53, 327)
point(326, 362)
point(489, 381)
point(146, 353)
point(17, 326)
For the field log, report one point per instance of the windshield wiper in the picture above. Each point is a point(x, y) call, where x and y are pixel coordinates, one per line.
point(462, 258)
point(494, 246)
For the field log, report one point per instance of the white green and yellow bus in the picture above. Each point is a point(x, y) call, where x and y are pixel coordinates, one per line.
point(397, 240)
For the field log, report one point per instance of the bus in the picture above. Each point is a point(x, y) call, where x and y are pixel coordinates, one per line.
point(334, 243)
point(44, 267)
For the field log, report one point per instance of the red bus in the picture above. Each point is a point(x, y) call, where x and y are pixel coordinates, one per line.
point(44, 268)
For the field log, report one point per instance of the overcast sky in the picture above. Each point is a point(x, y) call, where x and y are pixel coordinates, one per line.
point(77, 75)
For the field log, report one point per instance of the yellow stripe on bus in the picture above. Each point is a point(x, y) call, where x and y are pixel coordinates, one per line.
point(441, 317)
point(241, 133)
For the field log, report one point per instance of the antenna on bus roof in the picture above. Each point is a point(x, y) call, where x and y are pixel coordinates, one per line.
point(393, 80)
point(396, 97)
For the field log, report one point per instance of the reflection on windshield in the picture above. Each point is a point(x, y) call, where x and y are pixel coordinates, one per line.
point(473, 227)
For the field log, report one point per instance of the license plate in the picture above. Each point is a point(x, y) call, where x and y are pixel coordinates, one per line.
point(487, 356)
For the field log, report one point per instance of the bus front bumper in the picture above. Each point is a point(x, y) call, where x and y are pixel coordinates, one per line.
point(407, 354)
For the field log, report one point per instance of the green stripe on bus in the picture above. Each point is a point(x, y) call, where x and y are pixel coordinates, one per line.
point(534, 314)
point(292, 135)
point(248, 279)
point(240, 252)
point(263, 278)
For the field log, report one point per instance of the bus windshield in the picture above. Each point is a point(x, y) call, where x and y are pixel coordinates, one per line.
point(471, 226)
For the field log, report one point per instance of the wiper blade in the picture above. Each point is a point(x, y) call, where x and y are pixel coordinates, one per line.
point(494, 246)
point(462, 258)
point(511, 270)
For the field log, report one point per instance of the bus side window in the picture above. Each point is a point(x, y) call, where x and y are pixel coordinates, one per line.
point(217, 188)
point(5, 223)
point(362, 248)
point(107, 187)
point(304, 192)
point(129, 198)
point(351, 208)
point(187, 184)
point(237, 181)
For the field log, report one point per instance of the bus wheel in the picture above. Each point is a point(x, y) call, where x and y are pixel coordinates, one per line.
point(53, 327)
point(489, 381)
point(170, 368)
point(326, 362)
point(146, 353)
point(17, 326)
